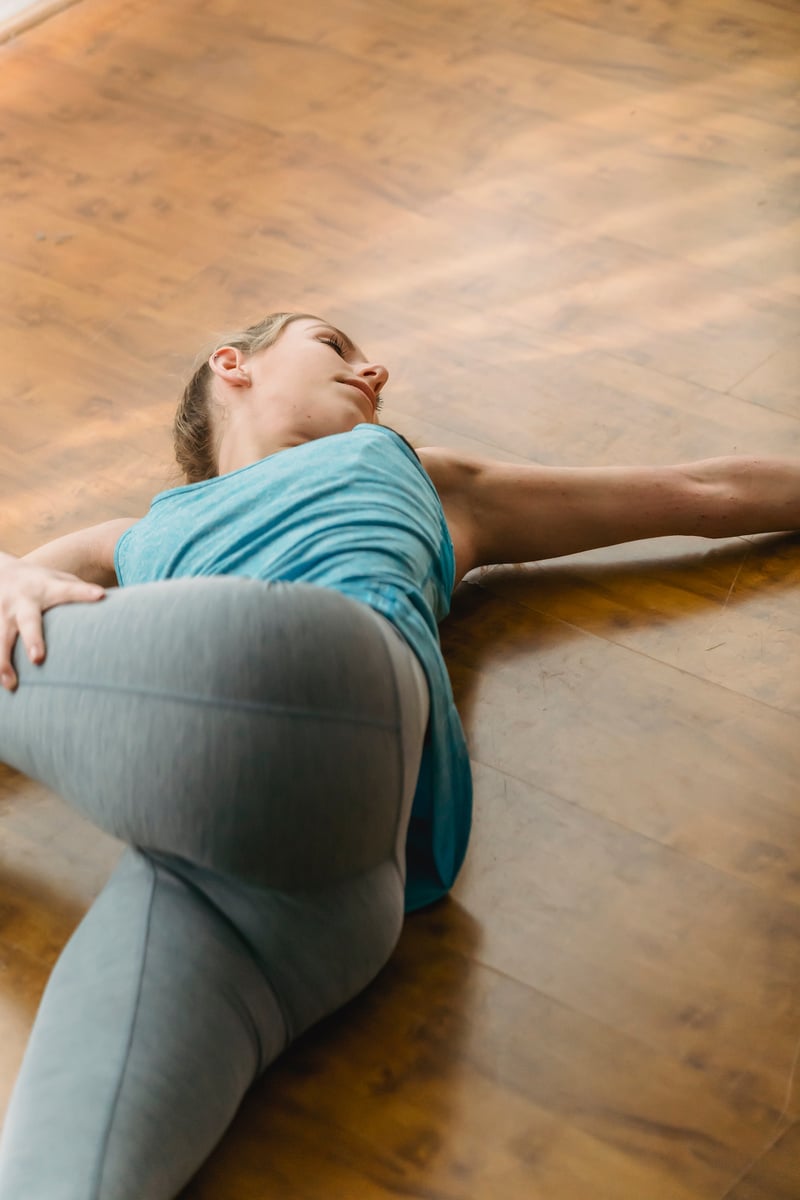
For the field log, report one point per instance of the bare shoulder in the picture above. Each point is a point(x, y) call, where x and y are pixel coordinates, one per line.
point(108, 534)
point(87, 553)
point(101, 540)
point(102, 544)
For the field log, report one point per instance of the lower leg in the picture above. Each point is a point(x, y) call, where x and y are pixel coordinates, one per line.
point(154, 1023)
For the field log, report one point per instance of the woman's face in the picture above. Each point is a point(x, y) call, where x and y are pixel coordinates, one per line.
point(315, 377)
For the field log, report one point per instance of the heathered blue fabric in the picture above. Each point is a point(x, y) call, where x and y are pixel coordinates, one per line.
point(355, 512)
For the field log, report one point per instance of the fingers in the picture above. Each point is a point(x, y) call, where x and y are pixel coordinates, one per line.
point(26, 623)
point(8, 676)
point(29, 628)
point(75, 591)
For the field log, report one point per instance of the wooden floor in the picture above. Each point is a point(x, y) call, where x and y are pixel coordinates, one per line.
point(571, 230)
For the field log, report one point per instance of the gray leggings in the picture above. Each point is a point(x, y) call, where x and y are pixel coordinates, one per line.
point(257, 747)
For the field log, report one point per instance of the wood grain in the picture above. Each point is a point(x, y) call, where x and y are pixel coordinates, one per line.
point(570, 230)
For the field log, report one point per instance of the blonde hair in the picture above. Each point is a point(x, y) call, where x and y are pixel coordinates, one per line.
point(193, 429)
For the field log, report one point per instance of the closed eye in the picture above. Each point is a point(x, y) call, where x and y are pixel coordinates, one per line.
point(337, 343)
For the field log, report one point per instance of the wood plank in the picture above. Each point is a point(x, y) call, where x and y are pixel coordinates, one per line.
point(568, 901)
point(723, 613)
point(688, 763)
point(714, 31)
point(771, 383)
point(774, 1174)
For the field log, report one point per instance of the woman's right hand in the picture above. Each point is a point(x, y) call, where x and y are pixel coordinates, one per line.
point(27, 591)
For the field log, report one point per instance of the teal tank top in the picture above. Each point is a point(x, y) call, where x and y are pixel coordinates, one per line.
point(355, 512)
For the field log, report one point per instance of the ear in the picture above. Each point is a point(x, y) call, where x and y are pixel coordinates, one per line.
point(227, 363)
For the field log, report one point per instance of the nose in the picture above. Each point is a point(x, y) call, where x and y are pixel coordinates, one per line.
point(375, 375)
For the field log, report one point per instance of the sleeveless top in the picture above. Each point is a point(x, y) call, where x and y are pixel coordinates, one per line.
point(355, 512)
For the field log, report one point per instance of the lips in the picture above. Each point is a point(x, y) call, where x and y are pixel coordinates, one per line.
point(362, 387)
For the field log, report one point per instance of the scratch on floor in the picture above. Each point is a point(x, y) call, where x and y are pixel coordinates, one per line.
point(736, 577)
point(726, 601)
point(778, 1131)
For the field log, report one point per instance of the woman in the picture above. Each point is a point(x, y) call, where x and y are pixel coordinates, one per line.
point(262, 713)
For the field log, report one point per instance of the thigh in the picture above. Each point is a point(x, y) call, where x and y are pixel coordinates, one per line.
point(267, 732)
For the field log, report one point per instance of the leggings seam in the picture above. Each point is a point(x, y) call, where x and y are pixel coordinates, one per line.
point(103, 1147)
point(259, 706)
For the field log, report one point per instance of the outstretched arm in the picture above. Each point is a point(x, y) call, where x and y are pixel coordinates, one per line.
point(71, 569)
point(501, 512)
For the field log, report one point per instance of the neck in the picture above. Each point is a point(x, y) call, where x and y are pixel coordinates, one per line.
point(237, 452)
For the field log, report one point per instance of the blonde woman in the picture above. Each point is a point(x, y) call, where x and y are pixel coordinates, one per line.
point(261, 712)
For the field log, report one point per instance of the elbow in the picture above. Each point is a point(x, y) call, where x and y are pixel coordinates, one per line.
point(722, 497)
point(701, 502)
